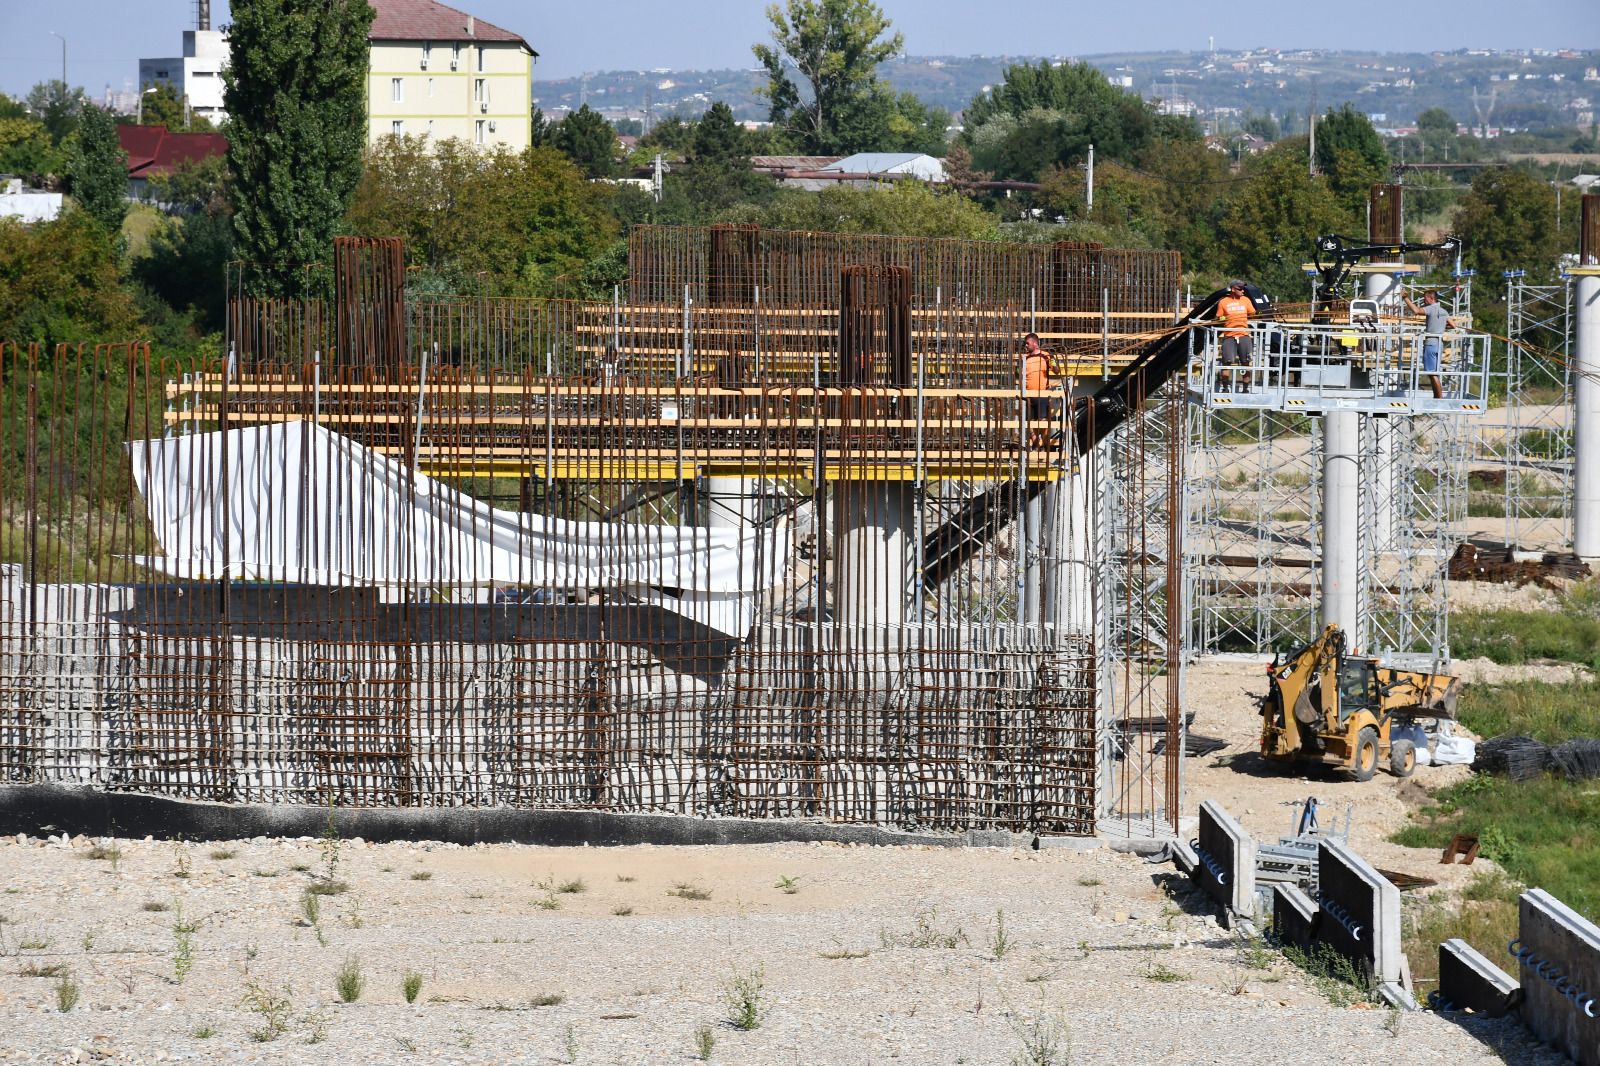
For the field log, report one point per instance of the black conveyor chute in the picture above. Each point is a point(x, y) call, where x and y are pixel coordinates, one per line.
point(980, 518)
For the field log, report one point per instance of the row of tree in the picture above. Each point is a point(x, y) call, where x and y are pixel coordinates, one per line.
point(534, 222)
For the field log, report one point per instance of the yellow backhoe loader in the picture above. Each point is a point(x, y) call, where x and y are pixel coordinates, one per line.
point(1328, 707)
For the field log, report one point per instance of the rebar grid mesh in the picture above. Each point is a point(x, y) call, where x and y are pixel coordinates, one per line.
point(925, 653)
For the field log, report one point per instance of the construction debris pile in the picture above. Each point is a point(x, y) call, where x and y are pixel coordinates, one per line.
point(1510, 567)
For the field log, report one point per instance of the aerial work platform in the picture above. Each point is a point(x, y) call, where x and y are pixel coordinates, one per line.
point(1369, 365)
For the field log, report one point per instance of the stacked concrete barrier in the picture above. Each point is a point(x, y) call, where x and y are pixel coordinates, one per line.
point(1225, 863)
point(1468, 981)
point(1558, 954)
point(1360, 912)
point(1294, 916)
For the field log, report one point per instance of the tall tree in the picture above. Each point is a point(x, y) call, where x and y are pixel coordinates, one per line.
point(835, 46)
point(589, 141)
point(100, 171)
point(1508, 222)
point(58, 106)
point(1351, 155)
point(164, 107)
point(296, 101)
point(1272, 218)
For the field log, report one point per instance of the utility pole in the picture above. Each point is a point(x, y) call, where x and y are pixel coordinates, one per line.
point(1091, 180)
point(1311, 125)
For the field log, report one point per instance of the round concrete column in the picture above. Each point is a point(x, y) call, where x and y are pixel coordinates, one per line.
point(874, 560)
point(1586, 416)
point(1059, 576)
point(1341, 570)
point(731, 503)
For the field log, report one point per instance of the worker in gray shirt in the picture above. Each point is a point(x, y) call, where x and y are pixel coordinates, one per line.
point(1435, 320)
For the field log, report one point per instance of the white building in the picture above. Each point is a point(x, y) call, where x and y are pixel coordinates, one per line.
point(437, 72)
point(896, 164)
point(197, 74)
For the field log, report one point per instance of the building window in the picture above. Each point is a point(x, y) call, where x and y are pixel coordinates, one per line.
point(395, 128)
point(427, 53)
point(455, 55)
point(430, 88)
point(480, 91)
point(430, 127)
point(480, 57)
point(397, 90)
point(477, 131)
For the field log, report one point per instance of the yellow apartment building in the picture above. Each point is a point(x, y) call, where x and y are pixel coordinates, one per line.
point(437, 72)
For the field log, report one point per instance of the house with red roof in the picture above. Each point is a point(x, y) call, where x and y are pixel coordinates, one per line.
point(438, 72)
point(154, 151)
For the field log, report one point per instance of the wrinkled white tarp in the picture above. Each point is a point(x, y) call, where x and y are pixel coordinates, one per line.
point(295, 502)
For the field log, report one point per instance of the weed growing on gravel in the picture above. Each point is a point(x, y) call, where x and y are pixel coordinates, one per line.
point(465, 1038)
point(626, 879)
point(1255, 954)
point(705, 1041)
point(569, 1044)
point(925, 933)
point(316, 1023)
point(251, 951)
point(105, 853)
point(548, 901)
point(1392, 1024)
point(301, 867)
point(1161, 973)
point(406, 1044)
point(332, 845)
point(52, 969)
point(272, 1009)
point(843, 953)
point(547, 999)
point(789, 885)
point(999, 942)
point(266, 873)
point(311, 908)
point(422, 875)
point(1046, 1041)
point(183, 931)
point(1335, 977)
point(180, 860)
point(690, 890)
point(352, 912)
point(322, 887)
point(35, 943)
point(155, 906)
point(745, 995)
point(90, 935)
point(350, 981)
point(572, 887)
point(67, 992)
point(623, 911)
point(411, 985)
point(203, 1032)
point(223, 854)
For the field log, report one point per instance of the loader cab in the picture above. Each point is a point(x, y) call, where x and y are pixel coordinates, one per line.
point(1358, 688)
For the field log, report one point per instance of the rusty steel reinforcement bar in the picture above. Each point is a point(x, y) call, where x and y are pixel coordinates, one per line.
point(707, 403)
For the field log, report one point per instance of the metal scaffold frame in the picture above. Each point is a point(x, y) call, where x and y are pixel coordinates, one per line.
point(1529, 436)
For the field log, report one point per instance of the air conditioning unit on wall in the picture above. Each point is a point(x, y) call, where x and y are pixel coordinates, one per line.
point(491, 125)
point(483, 106)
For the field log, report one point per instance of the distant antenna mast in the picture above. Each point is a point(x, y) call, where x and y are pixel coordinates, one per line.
point(202, 14)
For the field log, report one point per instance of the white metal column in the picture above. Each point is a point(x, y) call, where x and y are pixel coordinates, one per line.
point(1341, 567)
point(1586, 415)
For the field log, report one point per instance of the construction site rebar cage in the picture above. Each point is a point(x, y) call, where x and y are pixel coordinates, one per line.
point(712, 396)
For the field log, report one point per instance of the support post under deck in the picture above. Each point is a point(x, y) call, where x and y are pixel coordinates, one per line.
point(1341, 571)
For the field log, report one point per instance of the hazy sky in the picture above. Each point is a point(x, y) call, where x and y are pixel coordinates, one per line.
point(106, 38)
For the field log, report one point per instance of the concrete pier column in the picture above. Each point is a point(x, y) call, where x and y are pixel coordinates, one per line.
point(874, 554)
point(731, 502)
point(1341, 569)
point(1060, 571)
point(1586, 412)
point(1385, 288)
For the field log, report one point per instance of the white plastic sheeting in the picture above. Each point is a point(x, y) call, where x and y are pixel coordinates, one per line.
point(295, 502)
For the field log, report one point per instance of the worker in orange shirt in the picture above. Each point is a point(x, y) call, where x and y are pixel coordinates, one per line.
point(1234, 311)
point(1036, 377)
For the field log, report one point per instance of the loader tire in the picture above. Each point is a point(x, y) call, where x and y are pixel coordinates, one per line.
point(1402, 758)
point(1365, 763)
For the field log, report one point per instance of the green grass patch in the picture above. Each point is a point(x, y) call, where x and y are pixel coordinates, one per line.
point(1539, 832)
point(1569, 633)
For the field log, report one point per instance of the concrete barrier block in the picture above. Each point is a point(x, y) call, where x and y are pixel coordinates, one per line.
point(1227, 862)
point(1469, 981)
point(1360, 912)
point(1558, 955)
point(1294, 916)
point(1184, 858)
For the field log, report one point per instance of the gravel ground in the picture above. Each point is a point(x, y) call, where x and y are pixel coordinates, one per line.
point(880, 954)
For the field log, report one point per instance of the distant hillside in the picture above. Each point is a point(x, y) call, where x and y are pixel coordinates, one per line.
point(1513, 88)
